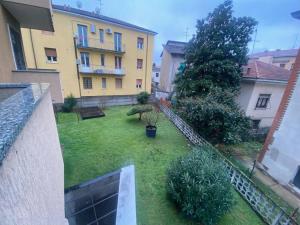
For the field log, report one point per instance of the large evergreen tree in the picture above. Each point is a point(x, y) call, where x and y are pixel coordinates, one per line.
point(207, 86)
point(214, 57)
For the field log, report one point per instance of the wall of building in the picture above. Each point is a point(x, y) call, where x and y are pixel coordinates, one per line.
point(40, 76)
point(156, 79)
point(6, 57)
point(288, 61)
point(32, 174)
point(283, 156)
point(245, 94)
point(265, 115)
point(65, 28)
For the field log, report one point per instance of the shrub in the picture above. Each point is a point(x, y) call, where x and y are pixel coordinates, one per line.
point(216, 117)
point(151, 118)
point(139, 110)
point(143, 97)
point(69, 104)
point(200, 187)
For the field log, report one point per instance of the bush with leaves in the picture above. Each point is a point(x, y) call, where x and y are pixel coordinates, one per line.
point(151, 118)
point(69, 104)
point(200, 187)
point(140, 109)
point(216, 117)
point(143, 97)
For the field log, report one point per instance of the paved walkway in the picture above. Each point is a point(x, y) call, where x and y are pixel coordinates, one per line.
point(282, 192)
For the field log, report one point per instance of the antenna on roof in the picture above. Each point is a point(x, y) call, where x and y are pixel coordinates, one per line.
point(98, 10)
point(296, 39)
point(254, 41)
point(186, 34)
point(79, 4)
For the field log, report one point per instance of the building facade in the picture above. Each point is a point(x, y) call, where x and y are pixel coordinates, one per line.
point(171, 58)
point(96, 56)
point(281, 58)
point(14, 66)
point(280, 156)
point(262, 88)
point(155, 75)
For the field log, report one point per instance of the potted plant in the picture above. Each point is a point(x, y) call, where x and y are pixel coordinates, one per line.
point(151, 119)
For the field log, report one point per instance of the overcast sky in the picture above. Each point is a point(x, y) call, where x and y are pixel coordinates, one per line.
point(172, 19)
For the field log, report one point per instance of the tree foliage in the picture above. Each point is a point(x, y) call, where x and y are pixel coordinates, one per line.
point(143, 97)
point(213, 64)
point(199, 185)
point(69, 103)
point(140, 109)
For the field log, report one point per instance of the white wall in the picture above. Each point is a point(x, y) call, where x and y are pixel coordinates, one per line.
point(154, 78)
point(32, 174)
point(283, 156)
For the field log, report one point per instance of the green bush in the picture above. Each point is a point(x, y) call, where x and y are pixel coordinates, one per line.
point(143, 97)
point(200, 187)
point(69, 104)
point(139, 110)
point(216, 117)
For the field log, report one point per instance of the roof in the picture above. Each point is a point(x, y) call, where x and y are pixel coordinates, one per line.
point(175, 47)
point(276, 54)
point(93, 15)
point(260, 70)
point(296, 15)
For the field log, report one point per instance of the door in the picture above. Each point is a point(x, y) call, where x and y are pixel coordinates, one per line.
point(118, 42)
point(85, 61)
point(82, 35)
point(16, 42)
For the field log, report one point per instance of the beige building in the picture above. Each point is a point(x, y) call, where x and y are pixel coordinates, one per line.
point(281, 58)
point(171, 58)
point(261, 91)
point(31, 14)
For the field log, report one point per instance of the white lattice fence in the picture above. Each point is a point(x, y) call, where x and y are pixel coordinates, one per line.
point(262, 204)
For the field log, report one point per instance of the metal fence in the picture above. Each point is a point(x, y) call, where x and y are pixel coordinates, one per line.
point(270, 212)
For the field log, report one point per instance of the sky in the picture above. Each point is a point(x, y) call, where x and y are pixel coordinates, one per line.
point(176, 19)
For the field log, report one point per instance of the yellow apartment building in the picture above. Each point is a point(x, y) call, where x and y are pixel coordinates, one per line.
point(96, 56)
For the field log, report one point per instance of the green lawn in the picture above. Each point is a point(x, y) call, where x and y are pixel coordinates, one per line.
point(97, 146)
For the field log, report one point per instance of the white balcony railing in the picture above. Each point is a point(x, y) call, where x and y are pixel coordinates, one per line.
point(101, 70)
point(96, 44)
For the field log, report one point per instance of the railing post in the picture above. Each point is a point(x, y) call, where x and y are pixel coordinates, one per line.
point(277, 218)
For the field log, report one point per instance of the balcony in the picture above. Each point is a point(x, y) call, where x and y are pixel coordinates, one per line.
point(94, 44)
point(101, 70)
point(34, 14)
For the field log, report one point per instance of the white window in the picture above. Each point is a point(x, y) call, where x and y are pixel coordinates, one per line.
point(103, 82)
point(101, 33)
point(139, 64)
point(118, 83)
point(118, 62)
point(51, 55)
point(102, 59)
point(82, 35)
point(87, 83)
point(85, 59)
point(139, 83)
point(140, 43)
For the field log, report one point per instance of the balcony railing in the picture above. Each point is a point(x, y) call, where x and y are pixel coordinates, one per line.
point(96, 44)
point(101, 70)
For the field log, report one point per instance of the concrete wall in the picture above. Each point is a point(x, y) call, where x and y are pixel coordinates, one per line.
point(6, 57)
point(283, 157)
point(104, 101)
point(245, 94)
point(41, 76)
point(32, 174)
point(154, 78)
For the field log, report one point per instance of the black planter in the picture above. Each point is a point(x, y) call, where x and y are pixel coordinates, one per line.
point(151, 131)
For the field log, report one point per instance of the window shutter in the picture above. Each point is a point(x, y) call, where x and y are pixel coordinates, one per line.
point(51, 52)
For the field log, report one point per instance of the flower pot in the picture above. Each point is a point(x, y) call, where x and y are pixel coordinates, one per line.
point(151, 131)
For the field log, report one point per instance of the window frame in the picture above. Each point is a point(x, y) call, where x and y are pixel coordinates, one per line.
point(87, 85)
point(263, 101)
point(85, 61)
point(121, 82)
point(139, 83)
point(138, 65)
point(51, 59)
point(118, 62)
point(156, 74)
point(103, 86)
point(101, 35)
point(102, 59)
point(140, 43)
point(84, 42)
point(11, 28)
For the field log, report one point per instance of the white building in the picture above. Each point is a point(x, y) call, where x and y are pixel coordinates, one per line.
point(280, 156)
point(155, 75)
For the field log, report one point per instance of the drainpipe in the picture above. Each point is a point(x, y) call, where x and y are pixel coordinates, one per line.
point(77, 67)
point(146, 67)
point(33, 50)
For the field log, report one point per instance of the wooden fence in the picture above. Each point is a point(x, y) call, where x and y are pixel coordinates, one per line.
point(270, 212)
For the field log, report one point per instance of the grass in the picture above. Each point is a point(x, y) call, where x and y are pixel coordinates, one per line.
point(94, 147)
